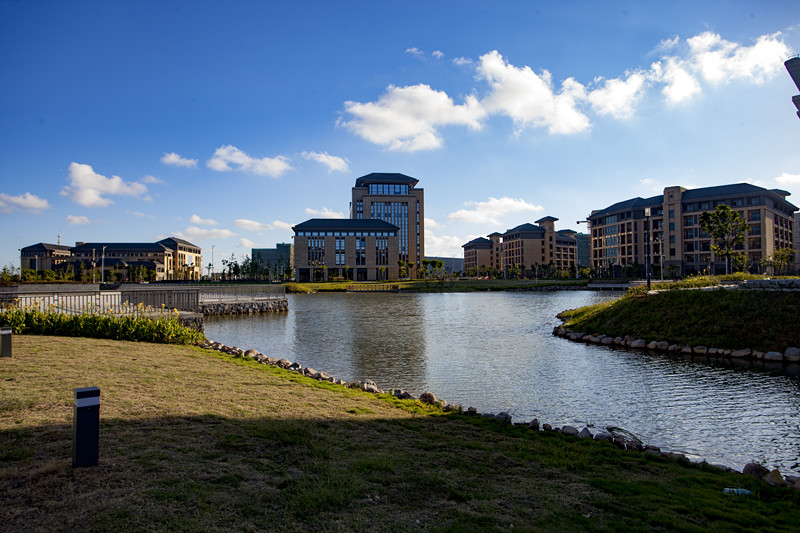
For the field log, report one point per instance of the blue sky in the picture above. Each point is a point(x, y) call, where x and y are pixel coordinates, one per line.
point(225, 123)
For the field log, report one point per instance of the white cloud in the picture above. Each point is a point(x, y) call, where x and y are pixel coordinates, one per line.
point(139, 214)
point(333, 162)
point(176, 160)
point(529, 99)
point(253, 225)
point(617, 97)
point(788, 179)
point(414, 51)
point(431, 223)
point(438, 54)
point(245, 243)
point(407, 118)
point(89, 188)
point(26, 202)
point(194, 219)
point(325, 212)
point(489, 212)
point(151, 179)
point(77, 220)
point(718, 60)
point(461, 61)
point(194, 233)
point(443, 246)
point(680, 84)
point(228, 155)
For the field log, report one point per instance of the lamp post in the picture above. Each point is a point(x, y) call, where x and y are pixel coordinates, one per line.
point(647, 246)
point(103, 266)
point(212, 263)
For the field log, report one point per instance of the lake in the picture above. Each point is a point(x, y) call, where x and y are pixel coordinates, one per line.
point(495, 351)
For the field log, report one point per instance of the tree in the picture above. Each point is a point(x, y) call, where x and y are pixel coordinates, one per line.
point(780, 258)
point(727, 229)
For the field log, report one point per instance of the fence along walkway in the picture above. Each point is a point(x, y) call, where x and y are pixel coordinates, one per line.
point(167, 297)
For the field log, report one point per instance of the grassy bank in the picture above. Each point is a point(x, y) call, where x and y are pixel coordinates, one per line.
point(722, 318)
point(466, 285)
point(195, 441)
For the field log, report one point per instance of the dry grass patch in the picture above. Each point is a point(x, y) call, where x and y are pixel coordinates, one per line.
point(195, 441)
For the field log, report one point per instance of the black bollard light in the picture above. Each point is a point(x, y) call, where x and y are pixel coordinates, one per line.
point(5, 342)
point(86, 427)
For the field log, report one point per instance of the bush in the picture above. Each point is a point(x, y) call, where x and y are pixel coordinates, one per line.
point(143, 326)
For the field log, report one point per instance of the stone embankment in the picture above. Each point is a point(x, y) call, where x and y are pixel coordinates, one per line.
point(790, 355)
point(616, 436)
point(249, 307)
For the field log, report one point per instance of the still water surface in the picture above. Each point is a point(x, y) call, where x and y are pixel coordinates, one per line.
point(496, 352)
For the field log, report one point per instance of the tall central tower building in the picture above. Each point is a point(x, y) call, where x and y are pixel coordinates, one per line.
point(394, 198)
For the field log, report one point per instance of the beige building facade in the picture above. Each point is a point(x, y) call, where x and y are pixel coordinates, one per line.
point(665, 231)
point(359, 250)
point(528, 248)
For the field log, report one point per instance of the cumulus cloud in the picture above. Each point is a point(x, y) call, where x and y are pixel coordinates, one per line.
point(253, 225)
point(25, 202)
point(443, 245)
point(410, 118)
point(245, 243)
point(91, 189)
point(489, 212)
point(530, 99)
point(788, 179)
point(618, 98)
point(438, 54)
point(717, 61)
point(431, 223)
point(414, 51)
point(407, 118)
point(151, 180)
point(325, 212)
point(194, 219)
point(176, 160)
point(193, 233)
point(334, 163)
point(229, 158)
point(77, 220)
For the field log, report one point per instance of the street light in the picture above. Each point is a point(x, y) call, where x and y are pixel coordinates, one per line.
point(103, 266)
point(212, 263)
point(647, 246)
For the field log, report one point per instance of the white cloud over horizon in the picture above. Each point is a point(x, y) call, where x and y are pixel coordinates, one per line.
point(245, 243)
point(325, 212)
point(253, 225)
point(77, 220)
point(410, 118)
point(25, 202)
point(91, 189)
point(195, 219)
point(176, 160)
point(228, 158)
point(490, 211)
point(334, 163)
point(193, 233)
point(443, 245)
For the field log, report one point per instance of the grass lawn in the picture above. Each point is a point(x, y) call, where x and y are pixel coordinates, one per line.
point(195, 441)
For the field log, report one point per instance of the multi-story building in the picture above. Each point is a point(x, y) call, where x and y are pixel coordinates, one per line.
point(361, 250)
point(275, 260)
point(665, 231)
point(526, 247)
point(169, 258)
point(43, 256)
point(394, 198)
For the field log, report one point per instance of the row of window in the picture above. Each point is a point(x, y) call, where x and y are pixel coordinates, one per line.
point(388, 188)
point(346, 234)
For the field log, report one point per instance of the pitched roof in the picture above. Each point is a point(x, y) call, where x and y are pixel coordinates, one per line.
point(176, 240)
point(344, 224)
point(112, 247)
point(46, 246)
point(633, 203)
point(479, 241)
point(525, 228)
point(547, 218)
point(383, 177)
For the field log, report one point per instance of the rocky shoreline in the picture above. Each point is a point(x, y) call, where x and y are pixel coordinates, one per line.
point(789, 355)
point(619, 437)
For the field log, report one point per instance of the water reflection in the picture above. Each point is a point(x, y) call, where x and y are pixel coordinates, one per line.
point(495, 351)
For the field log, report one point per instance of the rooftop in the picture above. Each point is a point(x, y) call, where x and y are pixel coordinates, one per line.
point(346, 224)
point(383, 177)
